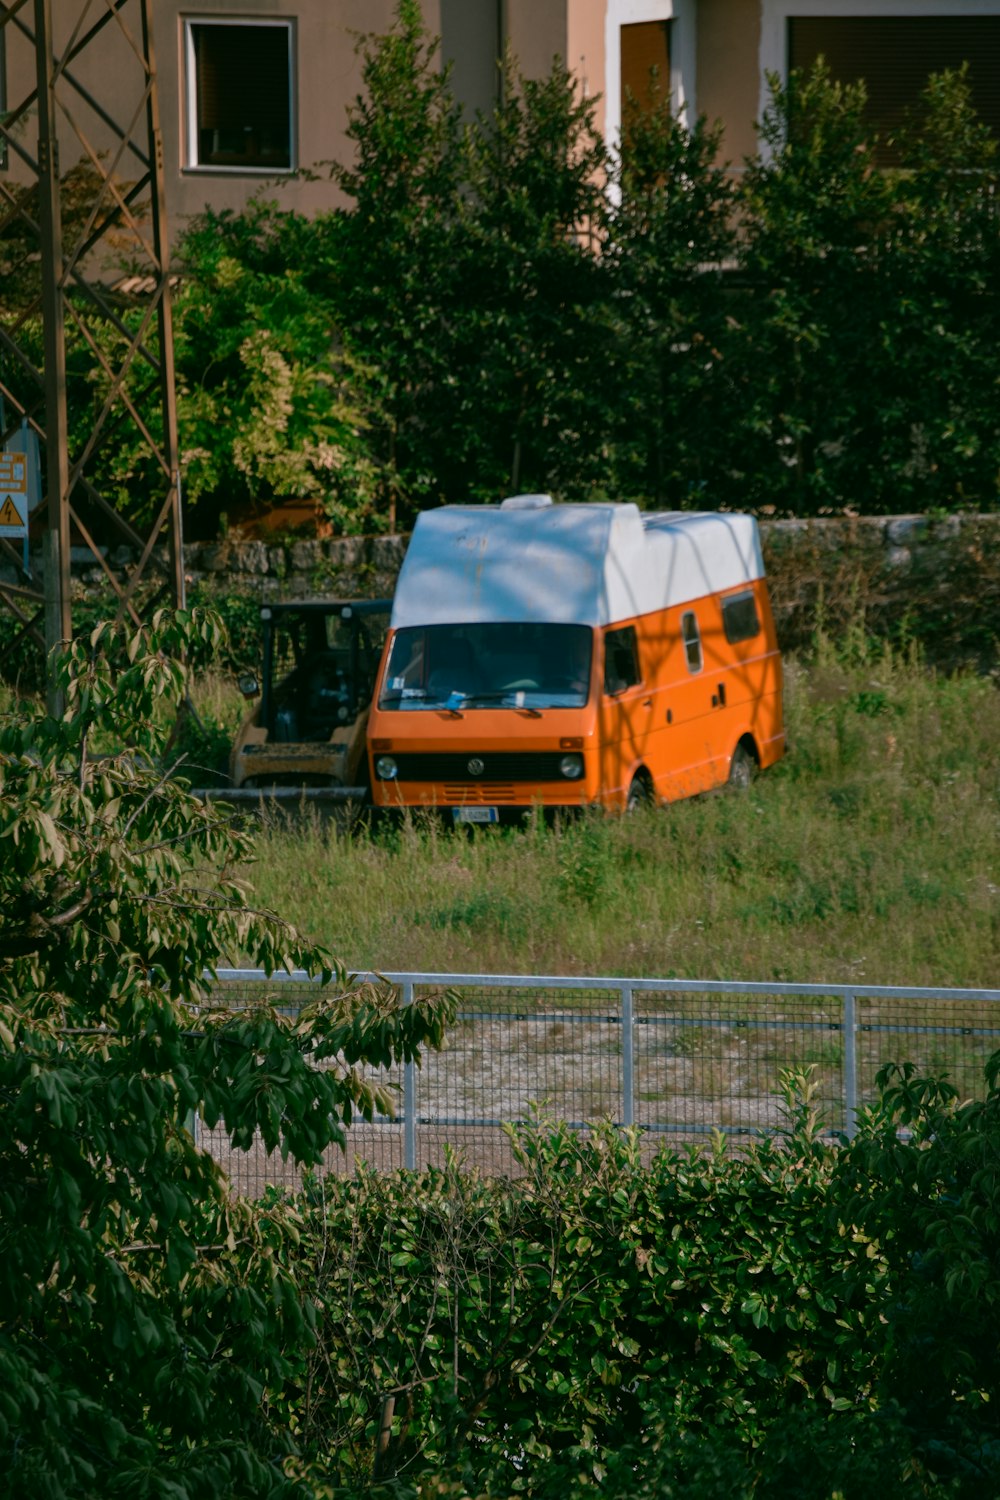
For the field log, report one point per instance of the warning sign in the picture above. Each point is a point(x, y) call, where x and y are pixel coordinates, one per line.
point(10, 515)
point(13, 494)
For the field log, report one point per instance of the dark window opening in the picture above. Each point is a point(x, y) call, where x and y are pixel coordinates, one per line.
point(319, 667)
point(621, 660)
point(472, 42)
point(242, 95)
point(895, 55)
point(739, 618)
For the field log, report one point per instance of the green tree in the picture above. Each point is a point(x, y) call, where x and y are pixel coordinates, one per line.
point(388, 258)
point(671, 231)
point(936, 344)
point(270, 403)
point(528, 405)
point(145, 1312)
point(813, 206)
point(866, 346)
point(464, 272)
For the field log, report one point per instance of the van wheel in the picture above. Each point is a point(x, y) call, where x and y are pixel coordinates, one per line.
point(741, 768)
point(640, 793)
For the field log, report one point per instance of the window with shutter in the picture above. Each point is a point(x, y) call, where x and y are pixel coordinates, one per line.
point(645, 45)
point(239, 82)
point(895, 56)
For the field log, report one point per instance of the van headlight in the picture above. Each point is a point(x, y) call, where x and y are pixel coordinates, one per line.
point(571, 766)
point(386, 768)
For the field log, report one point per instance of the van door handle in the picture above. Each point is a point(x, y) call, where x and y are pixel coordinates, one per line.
point(670, 716)
point(647, 702)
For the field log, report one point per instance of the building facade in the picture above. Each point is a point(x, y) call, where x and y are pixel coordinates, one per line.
point(251, 92)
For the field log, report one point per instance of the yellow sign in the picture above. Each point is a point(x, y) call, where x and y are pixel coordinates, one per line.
point(13, 476)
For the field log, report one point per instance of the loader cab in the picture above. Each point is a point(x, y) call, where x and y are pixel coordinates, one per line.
point(319, 659)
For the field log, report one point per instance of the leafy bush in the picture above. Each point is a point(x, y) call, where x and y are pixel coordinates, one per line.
point(261, 367)
point(691, 1325)
point(804, 1317)
point(145, 1310)
point(926, 1166)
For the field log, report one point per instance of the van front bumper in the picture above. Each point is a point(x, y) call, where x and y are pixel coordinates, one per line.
point(510, 800)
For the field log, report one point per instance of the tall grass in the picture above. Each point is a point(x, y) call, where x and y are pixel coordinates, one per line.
point(870, 855)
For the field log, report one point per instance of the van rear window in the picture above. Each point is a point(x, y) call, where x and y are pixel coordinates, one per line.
point(739, 618)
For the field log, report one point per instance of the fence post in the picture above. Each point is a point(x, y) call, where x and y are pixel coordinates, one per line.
point(628, 1057)
point(192, 1118)
point(409, 1097)
point(850, 1067)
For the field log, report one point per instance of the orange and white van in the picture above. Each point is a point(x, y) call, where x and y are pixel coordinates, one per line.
point(574, 655)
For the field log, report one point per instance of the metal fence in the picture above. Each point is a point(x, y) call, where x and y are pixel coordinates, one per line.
point(678, 1058)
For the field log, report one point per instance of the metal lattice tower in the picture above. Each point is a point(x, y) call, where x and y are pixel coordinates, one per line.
point(81, 128)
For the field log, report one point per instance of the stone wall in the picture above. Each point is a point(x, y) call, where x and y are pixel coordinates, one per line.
point(932, 580)
point(897, 546)
point(878, 567)
point(351, 566)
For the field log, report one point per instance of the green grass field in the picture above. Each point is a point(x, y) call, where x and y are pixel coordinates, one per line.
point(869, 855)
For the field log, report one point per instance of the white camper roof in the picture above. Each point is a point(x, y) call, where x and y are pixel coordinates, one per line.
point(589, 564)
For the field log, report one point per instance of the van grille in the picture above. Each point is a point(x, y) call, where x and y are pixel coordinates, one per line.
point(496, 766)
point(490, 793)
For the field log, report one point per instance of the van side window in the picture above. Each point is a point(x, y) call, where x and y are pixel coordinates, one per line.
point(739, 618)
point(692, 641)
point(621, 660)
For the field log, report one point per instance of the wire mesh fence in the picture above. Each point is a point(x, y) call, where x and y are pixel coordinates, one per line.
point(680, 1059)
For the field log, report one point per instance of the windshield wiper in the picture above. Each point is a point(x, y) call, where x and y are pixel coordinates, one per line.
point(503, 697)
point(445, 703)
point(406, 695)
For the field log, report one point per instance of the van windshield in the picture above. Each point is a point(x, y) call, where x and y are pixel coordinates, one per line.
point(495, 665)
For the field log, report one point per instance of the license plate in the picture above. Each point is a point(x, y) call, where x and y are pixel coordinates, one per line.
point(475, 815)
